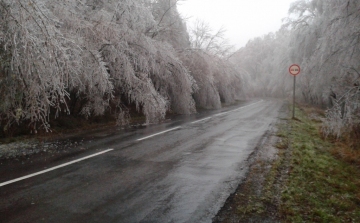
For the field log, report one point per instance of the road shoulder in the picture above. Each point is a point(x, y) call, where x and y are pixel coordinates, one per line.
point(257, 198)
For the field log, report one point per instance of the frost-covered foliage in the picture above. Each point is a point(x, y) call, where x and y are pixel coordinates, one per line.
point(344, 112)
point(207, 96)
point(228, 80)
point(170, 26)
point(263, 64)
point(323, 38)
point(98, 51)
point(91, 57)
point(203, 37)
point(37, 67)
point(326, 43)
point(218, 80)
point(146, 71)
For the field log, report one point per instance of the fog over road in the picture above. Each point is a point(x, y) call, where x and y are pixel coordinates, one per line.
point(179, 171)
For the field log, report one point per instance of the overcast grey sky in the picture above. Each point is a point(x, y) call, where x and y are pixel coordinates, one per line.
point(242, 19)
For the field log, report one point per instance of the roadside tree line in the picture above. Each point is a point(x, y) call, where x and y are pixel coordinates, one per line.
point(322, 36)
point(91, 57)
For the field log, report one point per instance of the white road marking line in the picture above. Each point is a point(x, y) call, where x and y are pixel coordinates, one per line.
point(201, 120)
point(247, 106)
point(224, 113)
point(159, 133)
point(219, 114)
point(53, 168)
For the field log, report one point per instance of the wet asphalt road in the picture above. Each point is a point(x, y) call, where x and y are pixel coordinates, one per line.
point(181, 175)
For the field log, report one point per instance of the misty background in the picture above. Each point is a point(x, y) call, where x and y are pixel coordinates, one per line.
point(242, 20)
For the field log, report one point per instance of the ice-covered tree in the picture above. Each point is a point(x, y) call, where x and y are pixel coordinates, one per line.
point(207, 59)
point(170, 26)
point(96, 51)
point(263, 62)
point(325, 36)
point(203, 37)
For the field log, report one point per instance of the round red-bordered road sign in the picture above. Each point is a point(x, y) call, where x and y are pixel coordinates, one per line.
point(294, 69)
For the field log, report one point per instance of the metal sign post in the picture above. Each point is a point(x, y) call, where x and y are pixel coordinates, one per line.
point(294, 70)
point(294, 97)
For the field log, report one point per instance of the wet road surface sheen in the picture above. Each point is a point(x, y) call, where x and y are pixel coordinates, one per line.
point(182, 175)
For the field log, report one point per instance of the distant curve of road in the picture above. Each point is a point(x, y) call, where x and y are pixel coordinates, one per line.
point(181, 171)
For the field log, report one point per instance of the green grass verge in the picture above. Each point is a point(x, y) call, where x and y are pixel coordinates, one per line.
point(320, 187)
point(306, 183)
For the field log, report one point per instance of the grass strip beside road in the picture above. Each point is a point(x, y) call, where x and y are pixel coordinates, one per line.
point(305, 183)
point(320, 187)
